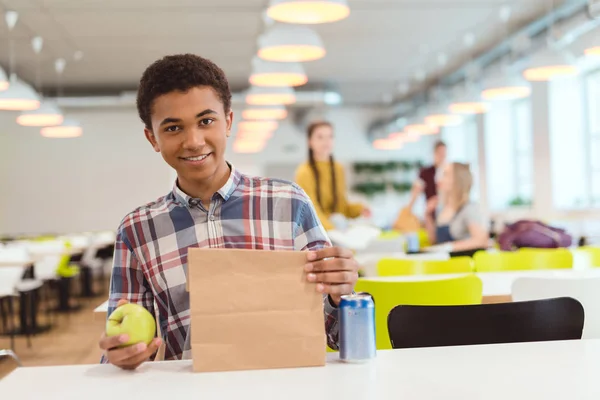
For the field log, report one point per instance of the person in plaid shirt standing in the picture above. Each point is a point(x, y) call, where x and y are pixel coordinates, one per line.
point(184, 102)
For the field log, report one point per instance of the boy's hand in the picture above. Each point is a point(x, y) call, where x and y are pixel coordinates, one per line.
point(335, 271)
point(129, 357)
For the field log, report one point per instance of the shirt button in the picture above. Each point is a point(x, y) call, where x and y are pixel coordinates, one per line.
point(212, 217)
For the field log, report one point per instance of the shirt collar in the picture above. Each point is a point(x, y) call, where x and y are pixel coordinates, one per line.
point(225, 192)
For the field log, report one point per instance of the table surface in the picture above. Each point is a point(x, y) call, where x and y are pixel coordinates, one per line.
point(102, 308)
point(13, 263)
point(549, 371)
point(499, 283)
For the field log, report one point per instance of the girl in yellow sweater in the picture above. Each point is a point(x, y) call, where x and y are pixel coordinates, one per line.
point(323, 179)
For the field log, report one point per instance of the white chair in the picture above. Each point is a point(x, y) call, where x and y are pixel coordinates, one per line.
point(585, 290)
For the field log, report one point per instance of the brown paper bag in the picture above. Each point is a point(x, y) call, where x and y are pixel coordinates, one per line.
point(253, 309)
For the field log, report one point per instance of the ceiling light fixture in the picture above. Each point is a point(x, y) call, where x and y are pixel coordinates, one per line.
point(47, 115)
point(421, 129)
point(269, 73)
point(387, 144)
point(265, 113)
point(253, 135)
point(475, 107)
point(68, 129)
point(552, 64)
point(282, 95)
point(443, 120)
point(257, 126)
point(19, 97)
point(246, 147)
point(592, 51)
point(290, 43)
point(308, 11)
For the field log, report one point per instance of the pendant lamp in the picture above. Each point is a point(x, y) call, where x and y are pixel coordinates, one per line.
point(270, 96)
point(47, 115)
point(548, 66)
point(257, 126)
point(4, 83)
point(265, 113)
point(68, 129)
point(269, 73)
point(308, 11)
point(19, 97)
point(290, 43)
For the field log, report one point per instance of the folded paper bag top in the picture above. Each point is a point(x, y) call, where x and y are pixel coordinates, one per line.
point(253, 309)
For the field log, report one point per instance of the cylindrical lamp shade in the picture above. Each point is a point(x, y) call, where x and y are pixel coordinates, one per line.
point(289, 43)
point(308, 11)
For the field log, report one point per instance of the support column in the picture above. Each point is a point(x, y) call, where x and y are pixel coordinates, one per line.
point(540, 113)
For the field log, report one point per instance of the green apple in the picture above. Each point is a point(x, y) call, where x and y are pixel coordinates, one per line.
point(132, 320)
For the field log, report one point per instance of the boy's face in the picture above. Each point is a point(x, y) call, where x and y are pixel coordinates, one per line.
point(190, 130)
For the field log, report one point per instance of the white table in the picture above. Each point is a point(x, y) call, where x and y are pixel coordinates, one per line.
point(525, 371)
point(498, 283)
point(368, 259)
point(16, 263)
point(100, 311)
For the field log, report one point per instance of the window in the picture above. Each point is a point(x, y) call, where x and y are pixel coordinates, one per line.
point(509, 155)
point(463, 147)
point(592, 85)
point(523, 152)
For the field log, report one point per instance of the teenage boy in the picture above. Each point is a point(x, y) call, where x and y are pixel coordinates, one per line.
point(184, 102)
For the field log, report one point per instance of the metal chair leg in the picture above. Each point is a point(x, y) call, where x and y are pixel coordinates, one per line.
point(11, 318)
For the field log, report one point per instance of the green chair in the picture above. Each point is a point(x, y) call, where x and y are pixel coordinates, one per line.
point(546, 258)
point(389, 235)
point(495, 261)
point(399, 267)
point(389, 294)
point(523, 260)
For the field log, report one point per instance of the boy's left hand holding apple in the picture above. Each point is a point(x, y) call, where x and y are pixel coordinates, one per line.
point(129, 357)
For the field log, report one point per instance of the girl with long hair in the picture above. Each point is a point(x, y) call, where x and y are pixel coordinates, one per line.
point(323, 179)
point(458, 224)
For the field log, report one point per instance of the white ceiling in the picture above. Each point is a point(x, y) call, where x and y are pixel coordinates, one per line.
point(382, 43)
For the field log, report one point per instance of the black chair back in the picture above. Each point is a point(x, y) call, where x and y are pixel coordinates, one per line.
point(528, 321)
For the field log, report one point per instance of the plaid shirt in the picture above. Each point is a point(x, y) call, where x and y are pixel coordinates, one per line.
point(150, 260)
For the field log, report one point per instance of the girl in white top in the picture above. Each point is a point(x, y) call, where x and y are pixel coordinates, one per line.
point(459, 225)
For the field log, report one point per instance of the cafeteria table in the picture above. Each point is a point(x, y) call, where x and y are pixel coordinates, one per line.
point(523, 371)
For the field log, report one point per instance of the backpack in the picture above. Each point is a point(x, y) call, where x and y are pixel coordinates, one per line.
point(534, 234)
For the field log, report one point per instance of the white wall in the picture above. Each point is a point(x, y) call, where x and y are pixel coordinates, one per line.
point(87, 183)
point(92, 182)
